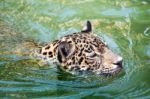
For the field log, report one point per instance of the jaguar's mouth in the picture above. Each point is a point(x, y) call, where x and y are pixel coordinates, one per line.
point(114, 71)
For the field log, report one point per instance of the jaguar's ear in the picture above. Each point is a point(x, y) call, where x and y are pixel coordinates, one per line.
point(64, 50)
point(87, 28)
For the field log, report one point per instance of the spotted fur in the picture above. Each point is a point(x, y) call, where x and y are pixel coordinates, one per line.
point(82, 52)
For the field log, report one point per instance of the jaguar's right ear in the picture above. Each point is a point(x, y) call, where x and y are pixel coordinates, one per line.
point(64, 51)
point(87, 28)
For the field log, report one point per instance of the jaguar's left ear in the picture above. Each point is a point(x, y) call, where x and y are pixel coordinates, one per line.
point(87, 28)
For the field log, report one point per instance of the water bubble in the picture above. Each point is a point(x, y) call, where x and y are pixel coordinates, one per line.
point(147, 31)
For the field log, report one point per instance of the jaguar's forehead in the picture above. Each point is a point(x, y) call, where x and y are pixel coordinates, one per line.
point(82, 42)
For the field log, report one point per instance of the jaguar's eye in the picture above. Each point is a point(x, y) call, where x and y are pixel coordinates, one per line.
point(93, 55)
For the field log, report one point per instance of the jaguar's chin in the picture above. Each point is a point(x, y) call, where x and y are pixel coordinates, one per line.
point(112, 72)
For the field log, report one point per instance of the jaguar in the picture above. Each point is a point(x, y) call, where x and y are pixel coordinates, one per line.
point(82, 52)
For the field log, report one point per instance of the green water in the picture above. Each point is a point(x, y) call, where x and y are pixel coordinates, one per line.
point(123, 24)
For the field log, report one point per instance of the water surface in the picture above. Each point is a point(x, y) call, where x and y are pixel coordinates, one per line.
point(124, 25)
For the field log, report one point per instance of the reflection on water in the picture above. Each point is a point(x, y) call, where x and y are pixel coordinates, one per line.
point(124, 25)
point(147, 31)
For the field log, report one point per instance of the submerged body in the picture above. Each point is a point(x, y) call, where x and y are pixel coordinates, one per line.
point(82, 52)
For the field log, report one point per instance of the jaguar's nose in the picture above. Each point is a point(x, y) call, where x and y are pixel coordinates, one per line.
point(119, 62)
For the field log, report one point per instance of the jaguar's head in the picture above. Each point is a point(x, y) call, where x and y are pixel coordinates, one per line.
point(83, 51)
